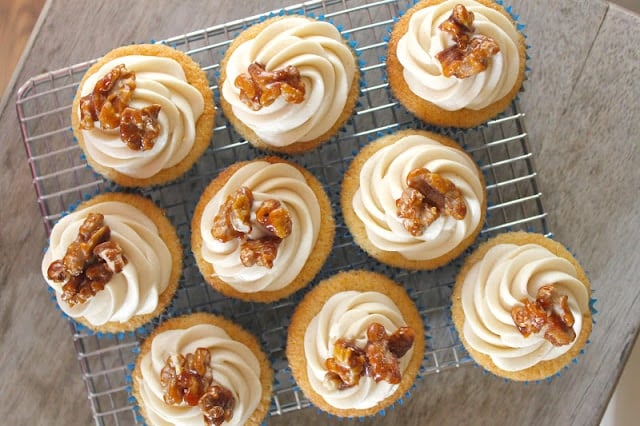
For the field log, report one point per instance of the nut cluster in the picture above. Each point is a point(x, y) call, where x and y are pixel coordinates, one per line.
point(234, 221)
point(108, 103)
point(378, 359)
point(549, 313)
point(89, 263)
point(260, 88)
point(469, 54)
point(427, 196)
point(189, 379)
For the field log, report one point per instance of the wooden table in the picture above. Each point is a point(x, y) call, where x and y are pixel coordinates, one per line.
point(583, 119)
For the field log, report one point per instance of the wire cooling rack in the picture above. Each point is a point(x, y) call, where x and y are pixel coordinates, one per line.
point(61, 178)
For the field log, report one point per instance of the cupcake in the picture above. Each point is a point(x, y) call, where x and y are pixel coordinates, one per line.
point(262, 230)
point(289, 83)
point(456, 62)
point(114, 263)
point(521, 306)
point(202, 369)
point(143, 114)
point(413, 199)
point(355, 344)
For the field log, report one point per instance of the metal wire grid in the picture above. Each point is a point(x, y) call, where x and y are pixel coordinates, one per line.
point(61, 178)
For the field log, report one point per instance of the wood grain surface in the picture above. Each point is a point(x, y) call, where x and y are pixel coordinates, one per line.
point(583, 120)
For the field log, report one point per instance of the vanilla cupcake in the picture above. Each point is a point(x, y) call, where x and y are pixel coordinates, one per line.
point(262, 230)
point(143, 114)
point(229, 377)
point(413, 199)
point(289, 83)
point(355, 344)
point(114, 263)
point(456, 62)
point(521, 306)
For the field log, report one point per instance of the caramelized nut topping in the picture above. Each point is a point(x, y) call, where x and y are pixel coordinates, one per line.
point(217, 405)
point(273, 216)
point(89, 263)
point(108, 103)
point(346, 366)
point(234, 217)
point(260, 88)
point(234, 221)
point(110, 96)
point(189, 379)
point(186, 378)
point(470, 54)
point(139, 127)
point(379, 358)
point(549, 313)
point(382, 364)
point(426, 197)
point(261, 252)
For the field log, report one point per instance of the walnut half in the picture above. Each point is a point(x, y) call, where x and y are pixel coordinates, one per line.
point(549, 313)
point(427, 196)
point(470, 52)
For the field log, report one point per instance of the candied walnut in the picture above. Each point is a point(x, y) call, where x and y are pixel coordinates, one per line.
point(89, 263)
point(261, 252)
point(139, 127)
point(186, 378)
point(470, 53)
point(378, 359)
point(57, 272)
point(110, 96)
point(111, 254)
point(401, 340)
point(347, 365)
point(217, 405)
point(381, 363)
point(275, 217)
point(260, 88)
point(416, 214)
point(234, 217)
point(234, 221)
point(529, 318)
point(426, 197)
point(549, 314)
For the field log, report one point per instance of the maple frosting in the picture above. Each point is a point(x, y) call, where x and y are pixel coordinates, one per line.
point(161, 81)
point(234, 367)
point(348, 314)
point(382, 180)
point(134, 290)
point(284, 183)
point(417, 50)
point(506, 275)
point(327, 68)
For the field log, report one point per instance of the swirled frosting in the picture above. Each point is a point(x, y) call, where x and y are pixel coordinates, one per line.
point(507, 274)
point(417, 50)
point(382, 180)
point(161, 81)
point(327, 67)
point(348, 314)
point(286, 184)
point(234, 367)
point(134, 290)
